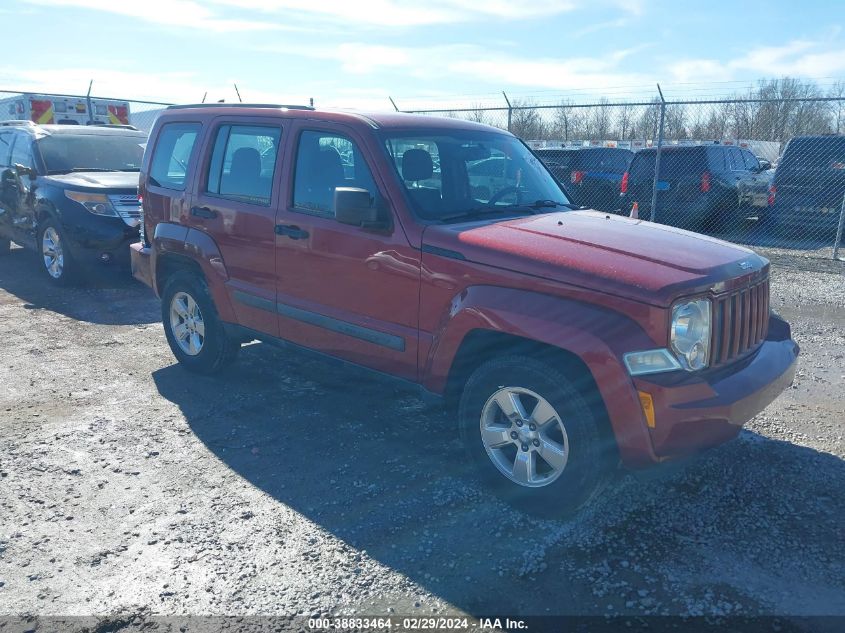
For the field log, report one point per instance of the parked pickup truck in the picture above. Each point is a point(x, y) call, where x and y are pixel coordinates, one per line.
point(566, 341)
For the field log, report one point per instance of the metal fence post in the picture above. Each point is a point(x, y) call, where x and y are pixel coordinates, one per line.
point(657, 156)
point(510, 110)
point(839, 229)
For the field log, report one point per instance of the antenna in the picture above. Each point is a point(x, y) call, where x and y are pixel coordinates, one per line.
point(205, 94)
point(88, 102)
point(238, 93)
point(311, 102)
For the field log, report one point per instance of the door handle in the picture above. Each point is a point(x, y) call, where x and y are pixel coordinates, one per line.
point(292, 231)
point(203, 212)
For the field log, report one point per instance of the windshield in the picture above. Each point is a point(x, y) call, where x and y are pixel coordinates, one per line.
point(63, 153)
point(456, 173)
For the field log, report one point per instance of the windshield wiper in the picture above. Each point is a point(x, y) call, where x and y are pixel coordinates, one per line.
point(540, 204)
point(480, 212)
point(92, 169)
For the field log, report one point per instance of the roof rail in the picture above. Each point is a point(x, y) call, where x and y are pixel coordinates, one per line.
point(274, 106)
point(122, 126)
point(18, 122)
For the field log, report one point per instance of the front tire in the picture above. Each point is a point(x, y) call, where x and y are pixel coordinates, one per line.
point(533, 436)
point(57, 262)
point(192, 327)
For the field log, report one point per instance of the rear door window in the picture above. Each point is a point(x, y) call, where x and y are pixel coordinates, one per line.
point(172, 155)
point(243, 162)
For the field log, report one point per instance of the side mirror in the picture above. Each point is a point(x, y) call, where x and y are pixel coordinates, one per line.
point(356, 207)
point(764, 164)
point(25, 171)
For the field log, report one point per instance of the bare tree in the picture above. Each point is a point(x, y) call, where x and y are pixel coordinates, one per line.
point(837, 108)
point(625, 121)
point(478, 114)
point(674, 124)
point(526, 121)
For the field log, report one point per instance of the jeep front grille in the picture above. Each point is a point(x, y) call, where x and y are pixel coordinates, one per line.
point(740, 322)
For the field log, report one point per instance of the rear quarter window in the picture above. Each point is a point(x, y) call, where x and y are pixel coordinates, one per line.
point(716, 158)
point(172, 155)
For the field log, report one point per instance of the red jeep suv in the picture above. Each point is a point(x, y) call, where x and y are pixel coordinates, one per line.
point(568, 340)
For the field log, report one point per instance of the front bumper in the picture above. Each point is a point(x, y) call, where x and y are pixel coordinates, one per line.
point(698, 411)
point(100, 240)
point(141, 264)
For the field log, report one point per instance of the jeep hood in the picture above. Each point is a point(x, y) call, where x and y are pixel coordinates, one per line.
point(97, 179)
point(639, 260)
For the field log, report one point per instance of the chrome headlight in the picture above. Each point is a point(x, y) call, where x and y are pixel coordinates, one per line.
point(690, 334)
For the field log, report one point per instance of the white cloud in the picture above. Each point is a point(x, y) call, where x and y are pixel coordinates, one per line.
point(398, 13)
point(798, 58)
point(454, 63)
point(218, 15)
point(601, 26)
point(180, 13)
point(174, 87)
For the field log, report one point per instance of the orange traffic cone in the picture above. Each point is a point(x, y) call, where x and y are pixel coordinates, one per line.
point(635, 211)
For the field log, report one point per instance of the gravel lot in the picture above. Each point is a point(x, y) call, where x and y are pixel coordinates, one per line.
point(286, 486)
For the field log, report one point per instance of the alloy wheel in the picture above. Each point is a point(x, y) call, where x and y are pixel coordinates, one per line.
point(186, 323)
point(524, 436)
point(51, 250)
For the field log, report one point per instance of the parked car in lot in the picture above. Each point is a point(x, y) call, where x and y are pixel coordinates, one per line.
point(71, 193)
point(809, 184)
point(591, 175)
point(567, 340)
point(709, 188)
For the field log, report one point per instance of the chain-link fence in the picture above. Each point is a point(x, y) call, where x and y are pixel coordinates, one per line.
point(767, 171)
point(49, 108)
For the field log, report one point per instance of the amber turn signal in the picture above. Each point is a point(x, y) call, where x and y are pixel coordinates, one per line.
point(648, 408)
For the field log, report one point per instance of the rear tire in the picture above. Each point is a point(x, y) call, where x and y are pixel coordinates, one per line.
point(192, 327)
point(550, 453)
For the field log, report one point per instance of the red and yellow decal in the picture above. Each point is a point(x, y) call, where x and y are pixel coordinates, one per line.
point(41, 111)
point(118, 115)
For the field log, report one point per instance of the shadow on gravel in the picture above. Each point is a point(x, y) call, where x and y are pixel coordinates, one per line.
point(105, 297)
point(367, 462)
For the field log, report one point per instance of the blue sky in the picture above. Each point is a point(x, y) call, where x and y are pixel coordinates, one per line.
point(355, 54)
